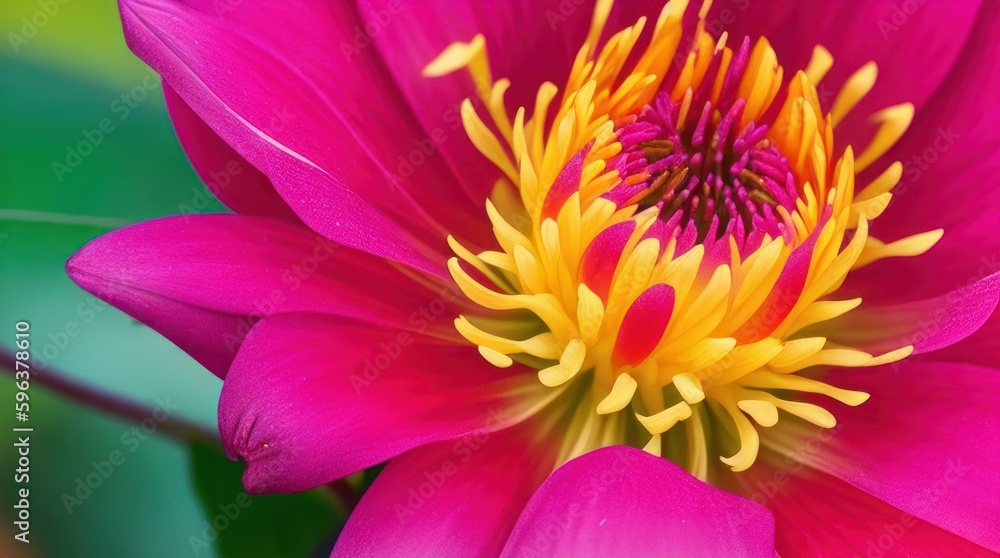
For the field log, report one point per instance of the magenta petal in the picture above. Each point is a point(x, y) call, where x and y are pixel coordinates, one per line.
point(856, 32)
point(620, 501)
point(328, 131)
point(816, 514)
point(950, 153)
point(311, 398)
point(928, 325)
point(232, 180)
point(203, 280)
point(926, 442)
point(452, 499)
point(979, 348)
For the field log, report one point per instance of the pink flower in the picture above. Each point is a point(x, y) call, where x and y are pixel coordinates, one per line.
point(688, 248)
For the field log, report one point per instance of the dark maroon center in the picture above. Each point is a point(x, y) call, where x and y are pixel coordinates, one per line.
point(709, 178)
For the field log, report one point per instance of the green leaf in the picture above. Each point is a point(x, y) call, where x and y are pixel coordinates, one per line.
point(286, 525)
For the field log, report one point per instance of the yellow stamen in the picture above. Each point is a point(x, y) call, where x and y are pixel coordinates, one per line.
point(665, 419)
point(620, 396)
point(855, 89)
point(741, 319)
point(569, 365)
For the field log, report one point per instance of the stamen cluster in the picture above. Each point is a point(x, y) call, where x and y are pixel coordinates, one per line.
point(670, 239)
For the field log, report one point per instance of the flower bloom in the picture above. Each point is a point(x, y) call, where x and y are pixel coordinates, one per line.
point(568, 315)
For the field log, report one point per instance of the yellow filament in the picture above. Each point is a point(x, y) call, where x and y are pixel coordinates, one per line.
point(689, 386)
point(569, 365)
point(892, 122)
point(665, 419)
point(620, 396)
point(855, 89)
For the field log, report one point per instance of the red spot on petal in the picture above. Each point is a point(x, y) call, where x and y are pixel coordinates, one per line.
point(784, 295)
point(597, 266)
point(565, 185)
point(643, 325)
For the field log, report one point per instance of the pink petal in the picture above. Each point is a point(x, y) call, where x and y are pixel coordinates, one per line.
point(816, 514)
point(855, 33)
point(232, 180)
point(979, 348)
point(457, 498)
point(312, 398)
point(950, 167)
point(330, 132)
point(925, 443)
point(204, 280)
point(643, 325)
point(928, 325)
point(620, 501)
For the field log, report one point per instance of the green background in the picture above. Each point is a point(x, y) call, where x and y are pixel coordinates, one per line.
point(59, 80)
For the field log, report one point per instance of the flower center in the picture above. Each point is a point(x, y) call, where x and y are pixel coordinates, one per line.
point(670, 240)
point(708, 177)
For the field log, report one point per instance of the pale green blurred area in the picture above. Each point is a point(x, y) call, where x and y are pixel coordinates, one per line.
point(63, 80)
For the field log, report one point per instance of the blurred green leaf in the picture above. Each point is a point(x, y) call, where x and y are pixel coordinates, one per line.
point(287, 525)
point(83, 38)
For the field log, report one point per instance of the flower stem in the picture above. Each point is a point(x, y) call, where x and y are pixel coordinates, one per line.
point(58, 382)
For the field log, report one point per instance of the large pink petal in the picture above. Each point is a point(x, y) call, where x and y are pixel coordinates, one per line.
point(925, 443)
point(620, 501)
point(311, 398)
point(204, 280)
point(234, 181)
point(951, 165)
point(327, 129)
point(457, 498)
point(979, 348)
point(928, 325)
point(855, 33)
point(816, 514)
